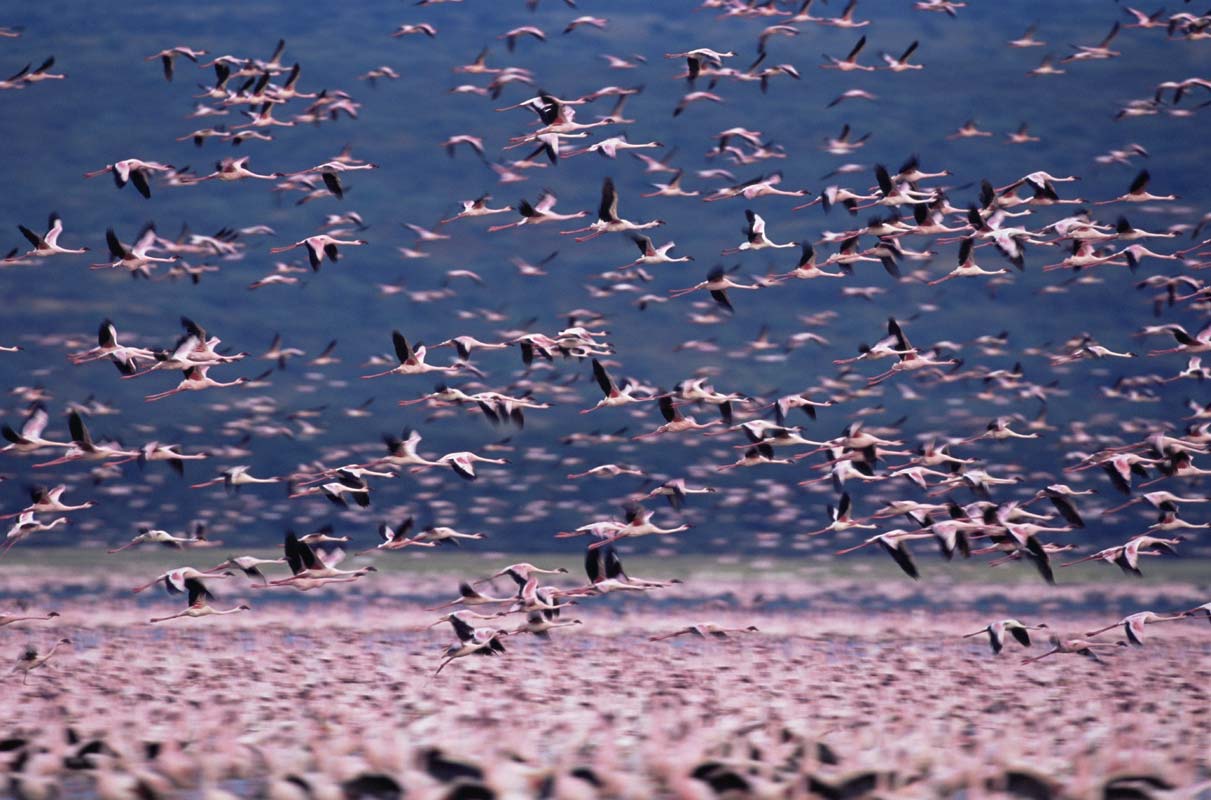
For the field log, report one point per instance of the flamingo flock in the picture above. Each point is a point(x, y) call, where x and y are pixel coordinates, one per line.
point(1006, 362)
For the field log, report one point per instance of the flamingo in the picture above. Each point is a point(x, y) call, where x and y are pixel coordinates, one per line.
point(319, 246)
point(650, 255)
point(137, 257)
point(717, 283)
point(1079, 646)
point(30, 660)
point(148, 534)
point(996, 633)
point(755, 238)
point(84, 448)
point(134, 171)
point(10, 619)
point(614, 396)
point(807, 268)
point(195, 380)
point(539, 624)
point(705, 629)
point(468, 596)
point(541, 211)
point(604, 568)
point(638, 523)
point(608, 220)
point(412, 360)
point(306, 565)
point(347, 483)
point(1133, 625)
point(674, 421)
point(967, 266)
point(841, 519)
point(249, 565)
point(29, 439)
point(900, 64)
point(850, 62)
point(470, 640)
point(27, 526)
point(233, 478)
point(174, 579)
point(169, 55)
point(477, 208)
point(48, 243)
point(197, 597)
point(438, 534)
point(463, 463)
point(236, 169)
point(521, 573)
point(893, 543)
point(1138, 192)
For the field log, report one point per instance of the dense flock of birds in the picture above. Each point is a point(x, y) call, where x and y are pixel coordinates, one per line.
point(974, 491)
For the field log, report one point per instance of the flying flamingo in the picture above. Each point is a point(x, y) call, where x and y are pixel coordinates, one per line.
point(754, 235)
point(468, 596)
point(195, 380)
point(1079, 646)
point(471, 640)
point(198, 595)
point(638, 523)
point(319, 246)
point(9, 619)
point(705, 629)
point(412, 360)
point(132, 170)
point(1133, 625)
point(30, 660)
point(48, 243)
point(996, 633)
point(717, 283)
